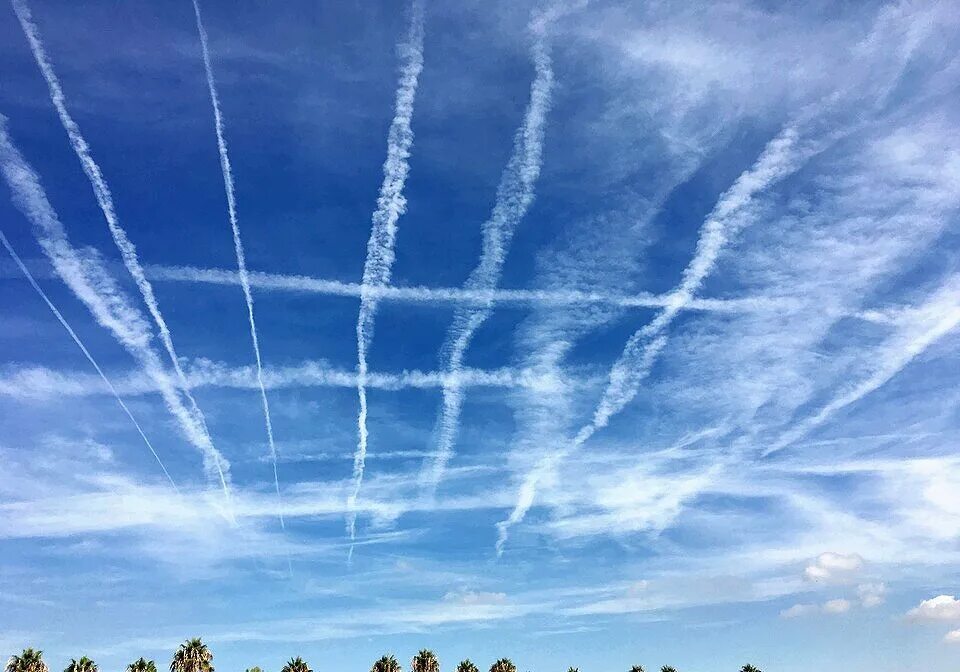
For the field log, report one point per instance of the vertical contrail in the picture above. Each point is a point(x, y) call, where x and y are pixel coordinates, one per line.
point(781, 157)
point(391, 204)
point(85, 274)
point(105, 199)
point(238, 245)
point(515, 194)
point(86, 353)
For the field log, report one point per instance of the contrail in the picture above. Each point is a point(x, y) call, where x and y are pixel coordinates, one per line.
point(515, 195)
point(105, 199)
point(391, 204)
point(86, 353)
point(781, 157)
point(84, 273)
point(238, 246)
point(933, 320)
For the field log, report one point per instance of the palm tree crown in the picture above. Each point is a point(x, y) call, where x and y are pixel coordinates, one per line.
point(192, 656)
point(30, 660)
point(636, 668)
point(574, 669)
point(254, 669)
point(668, 668)
point(425, 661)
point(749, 668)
point(467, 666)
point(386, 664)
point(503, 665)
point(142, 665)
point(296, 665)
point(82, 665)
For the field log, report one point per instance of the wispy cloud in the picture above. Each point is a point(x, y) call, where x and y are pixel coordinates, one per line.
point(515, 195)
point(105, 200)
point(238, 244)
point(391, 204)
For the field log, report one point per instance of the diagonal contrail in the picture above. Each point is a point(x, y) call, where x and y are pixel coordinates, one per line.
point(85, 274)
point(515, 195)
point(238, 246)
point(86, 353)
point(782, 156)
point(391, 204)
point(105, 199)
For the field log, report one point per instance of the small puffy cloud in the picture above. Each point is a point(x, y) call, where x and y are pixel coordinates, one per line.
point(833, 568)
point(838, 606)
point(798, 610)
point(939, 608)
point(952, 637)
point(871, 594)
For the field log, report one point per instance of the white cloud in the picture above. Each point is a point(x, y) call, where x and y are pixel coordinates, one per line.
point(470, 597)
point(871, 594)
point(798, 610)
point(838, 606)
point(833, 567)
point(939, 608)
point(952, 637)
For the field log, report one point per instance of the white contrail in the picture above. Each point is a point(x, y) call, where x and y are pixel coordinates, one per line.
point(782, 156)
point(86, 353)
point(105, 199)
point(391, 204)
point(238, 245)
point(84, 273)
point(933, 320)
point(515, 195)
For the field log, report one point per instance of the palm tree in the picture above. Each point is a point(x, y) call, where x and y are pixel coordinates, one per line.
point(386, 664)
point(467, 666)
point(668, 668)
point(749, 668)
point(574, 669)
point(636, 668)
point(30, 660)
point(192, 656)
point(296, 665)
point(503, 665)
point(425, 661)
point(82, 665)
point(254, 669)
point(142, 665)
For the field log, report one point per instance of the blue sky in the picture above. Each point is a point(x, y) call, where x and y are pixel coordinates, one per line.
point(652, 308)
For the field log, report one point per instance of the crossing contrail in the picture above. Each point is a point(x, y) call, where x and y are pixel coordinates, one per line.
point(86, 353)
point(238, 246)
point(105, 200)
point(85, 274)
point(515, 195)
point(391, 204)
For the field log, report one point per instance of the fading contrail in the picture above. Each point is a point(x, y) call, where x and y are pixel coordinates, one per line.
point(105, 199)
point(238, 246)
point(85, 274)
point(515, 195)
point(782, 156)
point(391, 204)
point(932, 320)
point(86, 353)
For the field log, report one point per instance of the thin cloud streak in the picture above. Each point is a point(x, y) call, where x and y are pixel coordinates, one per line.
point(782, 156)
point(83, 272)
point(86, 353)
point(105, 200)
point(391, 204)
point(238, 245)
point(515, 195)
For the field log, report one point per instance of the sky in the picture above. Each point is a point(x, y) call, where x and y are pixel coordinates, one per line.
point(584, 333)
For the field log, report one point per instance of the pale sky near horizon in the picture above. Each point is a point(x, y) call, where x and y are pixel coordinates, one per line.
point(590, 333)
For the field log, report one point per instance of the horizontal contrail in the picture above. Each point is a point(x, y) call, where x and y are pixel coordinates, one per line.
point(84, 273)
point(86, 353)
point(101, 190)
point(391, 204)
point(34, 382)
